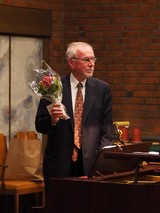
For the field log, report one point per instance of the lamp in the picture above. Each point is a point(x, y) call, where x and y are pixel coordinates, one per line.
point(117, 125)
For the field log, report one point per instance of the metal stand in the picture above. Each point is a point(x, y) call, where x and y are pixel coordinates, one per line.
point(137, 172)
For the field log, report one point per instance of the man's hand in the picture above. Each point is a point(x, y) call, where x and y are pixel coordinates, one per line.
point(56, 113)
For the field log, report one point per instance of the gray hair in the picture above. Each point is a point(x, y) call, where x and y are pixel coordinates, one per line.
point(73, 47)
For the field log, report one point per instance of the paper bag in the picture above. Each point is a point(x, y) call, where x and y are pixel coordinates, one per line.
point(24, 160)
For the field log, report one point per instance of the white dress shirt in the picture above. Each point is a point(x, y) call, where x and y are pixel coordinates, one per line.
point(74, 88)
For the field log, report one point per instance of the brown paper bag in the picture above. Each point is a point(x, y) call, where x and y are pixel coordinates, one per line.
point(24, 160)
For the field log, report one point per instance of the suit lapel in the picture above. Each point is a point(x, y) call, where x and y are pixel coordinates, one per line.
point(89, 97)
point(66, 99)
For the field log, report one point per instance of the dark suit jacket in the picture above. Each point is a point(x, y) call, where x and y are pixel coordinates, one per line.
point(96, 130)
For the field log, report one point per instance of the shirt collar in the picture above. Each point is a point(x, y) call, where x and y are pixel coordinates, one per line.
point(74, 81)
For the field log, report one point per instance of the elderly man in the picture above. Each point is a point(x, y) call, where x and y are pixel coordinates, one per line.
point(64, 156)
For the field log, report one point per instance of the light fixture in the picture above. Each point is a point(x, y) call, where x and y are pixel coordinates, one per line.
point(117, 125)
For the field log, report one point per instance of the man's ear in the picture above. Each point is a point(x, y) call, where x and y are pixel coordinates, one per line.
point(71, 63)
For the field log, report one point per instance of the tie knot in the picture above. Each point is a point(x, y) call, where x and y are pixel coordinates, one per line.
point(79, 85)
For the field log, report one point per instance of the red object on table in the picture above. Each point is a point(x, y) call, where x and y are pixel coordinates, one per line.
point(136, 135)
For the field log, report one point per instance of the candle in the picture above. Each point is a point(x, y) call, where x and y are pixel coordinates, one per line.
point(125, 134)
point(136, 135)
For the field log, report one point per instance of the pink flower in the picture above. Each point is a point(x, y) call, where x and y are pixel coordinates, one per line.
point(46, 81)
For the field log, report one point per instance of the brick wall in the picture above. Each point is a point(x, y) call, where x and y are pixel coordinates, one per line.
point(126, 37)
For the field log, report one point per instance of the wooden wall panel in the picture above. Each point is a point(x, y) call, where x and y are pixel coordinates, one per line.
point(25, 21)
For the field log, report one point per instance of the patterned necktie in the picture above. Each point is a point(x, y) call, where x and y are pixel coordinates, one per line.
point(78, 121)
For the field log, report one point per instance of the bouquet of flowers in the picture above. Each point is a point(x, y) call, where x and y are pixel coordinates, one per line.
point(48, 85)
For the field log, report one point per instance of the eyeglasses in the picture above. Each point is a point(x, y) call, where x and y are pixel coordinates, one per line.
point(86, 59)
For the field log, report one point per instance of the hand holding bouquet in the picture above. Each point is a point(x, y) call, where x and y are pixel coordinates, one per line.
point(47, 84)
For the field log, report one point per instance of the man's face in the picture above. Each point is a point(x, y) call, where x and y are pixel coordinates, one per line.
point(83, 64)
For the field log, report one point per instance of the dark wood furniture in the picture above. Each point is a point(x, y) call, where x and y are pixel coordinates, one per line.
point(108, 194)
